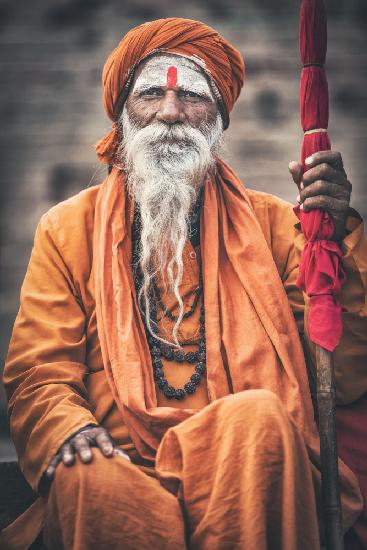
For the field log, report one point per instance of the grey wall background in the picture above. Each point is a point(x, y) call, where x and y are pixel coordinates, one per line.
point(51, 57)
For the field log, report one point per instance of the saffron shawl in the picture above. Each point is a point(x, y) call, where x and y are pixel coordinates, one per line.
point(251, 335)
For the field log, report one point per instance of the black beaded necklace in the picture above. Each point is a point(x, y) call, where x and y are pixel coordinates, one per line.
point(159, 349)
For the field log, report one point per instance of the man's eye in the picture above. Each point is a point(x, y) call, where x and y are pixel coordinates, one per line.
point(191, 95)
point(152, 91)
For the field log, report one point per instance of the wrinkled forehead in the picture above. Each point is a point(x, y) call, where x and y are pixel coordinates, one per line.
point(172, 71)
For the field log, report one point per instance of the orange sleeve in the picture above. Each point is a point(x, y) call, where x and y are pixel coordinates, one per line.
point(350, 356)
point(277, 220)
point(45, 368)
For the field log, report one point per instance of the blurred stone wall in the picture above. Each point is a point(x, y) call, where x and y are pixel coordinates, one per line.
point(51, 56)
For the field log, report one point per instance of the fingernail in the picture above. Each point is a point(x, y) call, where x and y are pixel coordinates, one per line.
point(301, 207)
point(309, 160)
point(298, 199)
point(49, 471)
point(301, 186)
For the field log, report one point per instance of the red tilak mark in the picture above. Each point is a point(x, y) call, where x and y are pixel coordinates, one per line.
point(172, 77)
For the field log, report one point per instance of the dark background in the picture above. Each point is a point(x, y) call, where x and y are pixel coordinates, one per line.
point(51, 57)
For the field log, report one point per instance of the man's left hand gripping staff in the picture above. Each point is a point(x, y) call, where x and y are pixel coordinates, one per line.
point(81, 444)
point(324, 185)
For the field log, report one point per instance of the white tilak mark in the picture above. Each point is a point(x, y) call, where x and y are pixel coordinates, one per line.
point(189, 76)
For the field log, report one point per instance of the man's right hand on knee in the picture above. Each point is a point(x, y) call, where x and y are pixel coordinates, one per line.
point(81, 444)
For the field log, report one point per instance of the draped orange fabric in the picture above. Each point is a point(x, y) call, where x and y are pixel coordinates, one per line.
point(243, 295)
point(222, 63)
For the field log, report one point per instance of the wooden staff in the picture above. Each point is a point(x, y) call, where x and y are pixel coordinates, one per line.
point(328, 450)
point(326, 328)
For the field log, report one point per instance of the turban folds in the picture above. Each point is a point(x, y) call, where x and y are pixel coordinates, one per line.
point(193, 39)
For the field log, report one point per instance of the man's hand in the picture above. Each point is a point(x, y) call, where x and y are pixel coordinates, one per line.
point(324, 185)
point(81, 444)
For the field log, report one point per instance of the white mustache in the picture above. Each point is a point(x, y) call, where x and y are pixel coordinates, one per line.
point(161, 134)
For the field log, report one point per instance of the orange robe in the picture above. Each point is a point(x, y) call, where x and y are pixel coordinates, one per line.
point(55, 368)
point(239, 467)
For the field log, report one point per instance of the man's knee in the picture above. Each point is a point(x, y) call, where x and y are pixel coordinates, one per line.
point(254, 424)
point(253, 412)
point(93, 476)
point(111, 501)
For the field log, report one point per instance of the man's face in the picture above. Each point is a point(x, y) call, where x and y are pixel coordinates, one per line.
point(172, 90)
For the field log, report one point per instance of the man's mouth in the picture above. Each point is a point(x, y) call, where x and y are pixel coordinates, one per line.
point(170, 139)
point(173, 140)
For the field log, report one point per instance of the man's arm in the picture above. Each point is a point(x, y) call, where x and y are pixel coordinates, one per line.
point(325, 185)
point(45, 369)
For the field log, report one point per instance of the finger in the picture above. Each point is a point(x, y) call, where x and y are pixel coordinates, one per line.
point(295, 169)
point(325, 203)
point(327, 172)
point(104, 443)
point(120, 452)
point(82, 446)
point(321, 187)
point(330, 157)
point(51, 468)
point(67, 454)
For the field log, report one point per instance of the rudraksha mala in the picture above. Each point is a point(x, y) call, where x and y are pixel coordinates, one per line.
point(159, 349)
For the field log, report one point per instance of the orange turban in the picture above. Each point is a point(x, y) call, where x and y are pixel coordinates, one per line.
point(219, 60)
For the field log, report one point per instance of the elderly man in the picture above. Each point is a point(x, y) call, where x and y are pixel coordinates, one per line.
point(160, 322)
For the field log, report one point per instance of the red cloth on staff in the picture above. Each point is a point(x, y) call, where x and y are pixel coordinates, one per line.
point(321, 273)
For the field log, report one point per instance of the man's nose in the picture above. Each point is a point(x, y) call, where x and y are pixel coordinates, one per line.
point(170, 108)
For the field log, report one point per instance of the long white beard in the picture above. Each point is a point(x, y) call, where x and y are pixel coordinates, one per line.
point(166, 167)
